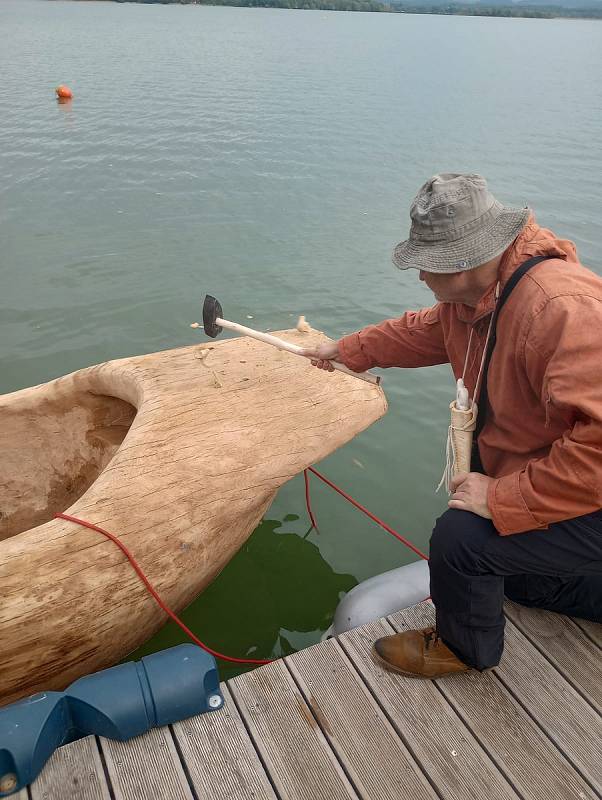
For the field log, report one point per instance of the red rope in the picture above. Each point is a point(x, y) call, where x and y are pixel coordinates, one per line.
point(174, 616)
point(159, 601)
point(307, 500)
point(361, 508)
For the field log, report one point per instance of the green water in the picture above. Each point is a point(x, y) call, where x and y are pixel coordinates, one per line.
point(269, 157)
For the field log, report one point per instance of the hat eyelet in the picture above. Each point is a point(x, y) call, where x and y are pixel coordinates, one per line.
point(461, 265)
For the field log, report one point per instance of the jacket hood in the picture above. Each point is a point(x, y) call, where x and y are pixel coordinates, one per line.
point(535, 241)
point(532, 241)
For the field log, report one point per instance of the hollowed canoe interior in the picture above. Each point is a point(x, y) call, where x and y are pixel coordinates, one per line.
point(53, 446)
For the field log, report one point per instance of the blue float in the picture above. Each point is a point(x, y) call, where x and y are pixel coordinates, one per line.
point(118, 703)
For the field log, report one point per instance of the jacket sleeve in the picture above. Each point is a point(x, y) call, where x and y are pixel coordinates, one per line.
point(563, 357)
point(413, 340)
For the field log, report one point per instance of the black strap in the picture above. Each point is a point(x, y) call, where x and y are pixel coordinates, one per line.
point(483, 399)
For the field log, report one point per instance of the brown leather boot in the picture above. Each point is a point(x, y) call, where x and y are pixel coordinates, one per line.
point(419, 654)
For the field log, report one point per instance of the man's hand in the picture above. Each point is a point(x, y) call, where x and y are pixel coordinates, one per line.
point(470, 493)
point(322, 355)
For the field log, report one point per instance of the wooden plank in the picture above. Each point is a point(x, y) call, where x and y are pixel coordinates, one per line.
point(455, 762)
point(567, 719)
point(372, 754)
point(505, 730)
point(565, 645)
point(592, 629)
point(73, 772)
point(146, 767)
point(219, 756)
point(297, 756)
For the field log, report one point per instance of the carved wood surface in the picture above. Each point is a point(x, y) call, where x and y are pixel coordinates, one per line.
point(218, 429)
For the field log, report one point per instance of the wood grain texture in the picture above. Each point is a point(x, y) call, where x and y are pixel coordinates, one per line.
point(438, 739)
point(592, 629)
point(73, 772)
point(147, 766)
point(565, 645)
point(366, 743)
point(220, 757)
point(566, 718)
point(329, 723)
point(217, 431)
point(514, 741)
point(295, 751)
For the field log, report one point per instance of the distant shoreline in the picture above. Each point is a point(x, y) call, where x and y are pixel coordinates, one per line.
point(445, 9)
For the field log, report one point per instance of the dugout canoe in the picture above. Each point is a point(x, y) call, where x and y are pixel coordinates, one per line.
point(179, 453)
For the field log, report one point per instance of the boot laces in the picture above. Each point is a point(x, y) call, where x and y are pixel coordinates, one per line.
point(430, 637)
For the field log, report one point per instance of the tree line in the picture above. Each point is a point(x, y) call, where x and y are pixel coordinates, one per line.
point(402, 7)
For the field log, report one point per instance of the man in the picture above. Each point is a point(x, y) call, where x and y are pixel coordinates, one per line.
point(527, 521)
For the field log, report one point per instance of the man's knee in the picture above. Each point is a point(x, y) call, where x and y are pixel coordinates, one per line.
point(458, 538)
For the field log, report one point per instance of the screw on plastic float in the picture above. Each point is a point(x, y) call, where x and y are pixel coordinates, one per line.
point(8, 782)
point(215, 701)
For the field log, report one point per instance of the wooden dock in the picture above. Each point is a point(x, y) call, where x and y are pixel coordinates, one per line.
point(328, 722)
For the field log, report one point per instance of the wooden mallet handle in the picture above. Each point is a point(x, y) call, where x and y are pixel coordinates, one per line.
point(291, 348)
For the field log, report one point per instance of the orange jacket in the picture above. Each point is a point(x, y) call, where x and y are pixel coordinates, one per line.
point(542, 441)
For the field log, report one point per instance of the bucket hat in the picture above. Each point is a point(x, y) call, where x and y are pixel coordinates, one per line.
point(457, 224)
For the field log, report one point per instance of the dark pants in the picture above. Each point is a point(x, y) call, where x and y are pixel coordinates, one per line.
point(472, 567)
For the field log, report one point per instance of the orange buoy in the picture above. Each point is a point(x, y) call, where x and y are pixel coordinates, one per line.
point(64, 92)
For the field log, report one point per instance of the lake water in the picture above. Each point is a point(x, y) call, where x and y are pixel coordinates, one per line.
point(269, 157)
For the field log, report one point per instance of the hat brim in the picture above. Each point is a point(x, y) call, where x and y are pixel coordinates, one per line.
point(465, 253)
